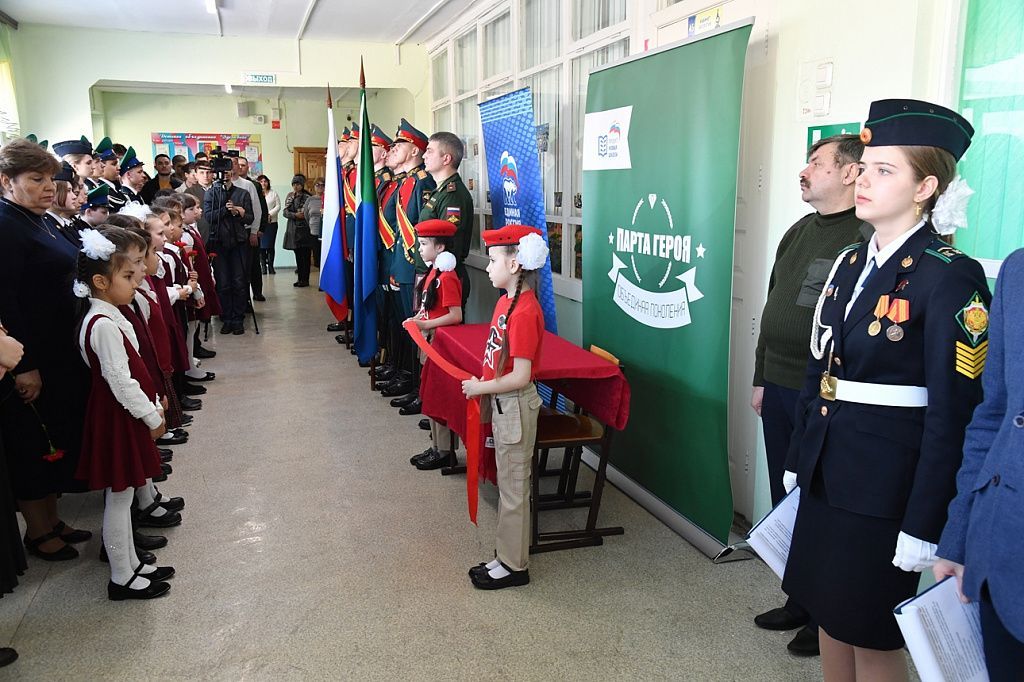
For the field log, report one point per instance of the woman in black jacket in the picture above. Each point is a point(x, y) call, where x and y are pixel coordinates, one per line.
point(297, 237)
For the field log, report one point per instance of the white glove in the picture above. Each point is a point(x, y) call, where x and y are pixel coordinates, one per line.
point(789, 481)
point(913, 555)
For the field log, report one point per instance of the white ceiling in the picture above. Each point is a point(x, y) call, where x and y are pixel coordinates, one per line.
point(341, 96)
point(368, 20)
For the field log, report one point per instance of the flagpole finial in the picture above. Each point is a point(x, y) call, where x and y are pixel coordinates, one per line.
point(330, 104)
point(362, 76)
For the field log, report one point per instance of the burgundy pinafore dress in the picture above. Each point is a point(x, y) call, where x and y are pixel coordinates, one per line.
point(118, 451)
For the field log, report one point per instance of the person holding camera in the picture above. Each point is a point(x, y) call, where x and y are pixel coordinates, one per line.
point(228, 210)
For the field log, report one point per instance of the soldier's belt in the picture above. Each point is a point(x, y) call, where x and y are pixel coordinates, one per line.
point(874, 394)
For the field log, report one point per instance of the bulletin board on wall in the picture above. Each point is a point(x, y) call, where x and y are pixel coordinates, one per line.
point(190, 144)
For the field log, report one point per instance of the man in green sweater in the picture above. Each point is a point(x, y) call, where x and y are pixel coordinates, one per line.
point(802, 263)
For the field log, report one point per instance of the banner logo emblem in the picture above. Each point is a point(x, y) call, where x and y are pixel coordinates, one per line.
point(658, 283)
point(509, 173)
point(606, 139)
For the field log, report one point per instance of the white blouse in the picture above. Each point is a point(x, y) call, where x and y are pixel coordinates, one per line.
point(107, 343)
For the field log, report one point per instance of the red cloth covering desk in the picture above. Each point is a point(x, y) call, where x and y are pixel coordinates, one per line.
point(593, 383)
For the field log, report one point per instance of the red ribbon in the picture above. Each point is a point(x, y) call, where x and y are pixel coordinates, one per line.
point(472, 416)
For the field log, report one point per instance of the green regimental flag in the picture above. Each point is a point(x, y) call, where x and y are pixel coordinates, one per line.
point(660, 148)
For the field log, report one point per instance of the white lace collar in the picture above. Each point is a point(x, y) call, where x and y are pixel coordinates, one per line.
point(98, 307)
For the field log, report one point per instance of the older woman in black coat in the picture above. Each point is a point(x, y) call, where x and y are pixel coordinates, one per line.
point(43, 408)
point(297, 237)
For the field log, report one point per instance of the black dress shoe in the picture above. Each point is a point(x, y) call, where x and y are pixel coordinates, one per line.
point(805, 643)
point(398, 387)
point(7, 656)
point(227, 328)
point(74, 537)
point(191, 404)
point(300, 285)
point(65, 553)
point(186, 419)
point(145, 557)
point(171, 504)
point(513, 579)
point(271, 270)
point(170, 438)
point(424, 424)
point(436, 460)
point(156, 588)
point(160, 479)
point(165, 458)
point(148, 542)
point(780, 619)
point(239, 330)
point(166, 468)
point(210, 376)
point(193, 389)
point(341, 338)
point(421, 455)
point(404, 400)
point(144, 518)
point(384, 373)
point(336, 327)
point(415, 407)
point(259, 297)
point(363, 364)
point(203, 354)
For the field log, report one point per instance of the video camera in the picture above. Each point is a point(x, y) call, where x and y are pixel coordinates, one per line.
point(221, 163)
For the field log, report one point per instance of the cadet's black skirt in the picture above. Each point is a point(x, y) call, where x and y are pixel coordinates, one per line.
point(12, 556)
point(840, 569)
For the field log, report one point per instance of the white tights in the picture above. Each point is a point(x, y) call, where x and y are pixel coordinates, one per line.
point(117, 539)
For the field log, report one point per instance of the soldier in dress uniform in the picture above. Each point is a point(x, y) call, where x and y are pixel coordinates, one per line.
point(109, 174)
point(390, 341)
point(133, 177)
point(96, 210)
point(450, 199)
point(898, 346)
point(78, 153)
point(415, 188)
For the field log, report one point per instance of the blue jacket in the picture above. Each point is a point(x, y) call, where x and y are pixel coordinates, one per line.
point(985, 531)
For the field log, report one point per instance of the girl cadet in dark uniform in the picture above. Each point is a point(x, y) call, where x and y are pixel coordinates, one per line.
point(898, 346)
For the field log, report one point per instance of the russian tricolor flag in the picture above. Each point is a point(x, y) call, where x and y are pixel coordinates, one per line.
point(332, 254)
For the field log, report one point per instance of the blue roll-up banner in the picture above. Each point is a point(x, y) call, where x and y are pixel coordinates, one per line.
point(513, 171)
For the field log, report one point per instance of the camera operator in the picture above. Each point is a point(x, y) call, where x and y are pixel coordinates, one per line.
point(228, 210)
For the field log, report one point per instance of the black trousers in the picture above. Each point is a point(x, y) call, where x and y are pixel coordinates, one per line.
point(302, 264)
point(255, 270)
point(777, 418)
point(1004, 653)
point(231, 267)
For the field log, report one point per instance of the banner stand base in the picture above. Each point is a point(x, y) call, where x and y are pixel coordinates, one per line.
point(709, 545)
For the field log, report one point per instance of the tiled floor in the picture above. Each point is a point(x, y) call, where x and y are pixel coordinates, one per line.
point(312, 550)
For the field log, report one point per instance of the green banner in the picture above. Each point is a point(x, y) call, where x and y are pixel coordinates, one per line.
point(661, 140)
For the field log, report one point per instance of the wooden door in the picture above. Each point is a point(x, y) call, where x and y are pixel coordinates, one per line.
point(311, 162)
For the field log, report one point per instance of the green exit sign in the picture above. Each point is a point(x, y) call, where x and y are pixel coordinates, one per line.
point(249, 78)
point(815, 133)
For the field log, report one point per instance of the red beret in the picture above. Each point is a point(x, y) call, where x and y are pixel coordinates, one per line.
point(510, 234)
point(435, 228)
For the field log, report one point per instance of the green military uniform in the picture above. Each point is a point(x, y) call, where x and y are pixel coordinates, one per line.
point(452, 201)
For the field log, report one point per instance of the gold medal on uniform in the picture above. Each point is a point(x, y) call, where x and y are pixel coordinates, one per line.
point(898, 312)
point(880, 309)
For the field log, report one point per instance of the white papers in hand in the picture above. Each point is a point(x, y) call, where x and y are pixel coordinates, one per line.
point(772, 535)
point(943, 635)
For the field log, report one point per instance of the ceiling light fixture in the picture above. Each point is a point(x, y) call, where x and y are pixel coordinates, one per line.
point(211, 6)
point(227, 88)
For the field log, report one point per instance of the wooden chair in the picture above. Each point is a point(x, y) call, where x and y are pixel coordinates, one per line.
point(572, 432)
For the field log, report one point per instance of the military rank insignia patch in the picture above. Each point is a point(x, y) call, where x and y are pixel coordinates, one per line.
point(970, 356)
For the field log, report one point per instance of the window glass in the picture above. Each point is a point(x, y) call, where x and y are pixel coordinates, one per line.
point(546, 87)
point(442, 119)
point(498, 46)
point(439, 71)
point(555, 245)
point(590, 16)
point(465, 63)
point(542, 32)
point(467, 127)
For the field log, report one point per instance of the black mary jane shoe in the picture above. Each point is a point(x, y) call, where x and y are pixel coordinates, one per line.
point(415, 407)
point(144, 518)
point(65, 553)
point(209, 376)
point(7, 656)
point(171, 438)
point(513, 579)
point(436, 460)
point(425, 424)
point(156, 588)
point(479, 569)
point(421, 455)
point(145, 557)
point(74, 537)
point(148, 542)
point(161, 573)
point(171, 504)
